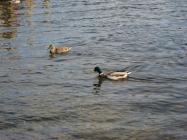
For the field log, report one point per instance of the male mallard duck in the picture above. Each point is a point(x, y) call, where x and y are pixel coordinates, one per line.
point(112, 75)
point(58, 50)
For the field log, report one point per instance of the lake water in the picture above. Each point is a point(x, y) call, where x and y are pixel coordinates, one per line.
point(60, 98)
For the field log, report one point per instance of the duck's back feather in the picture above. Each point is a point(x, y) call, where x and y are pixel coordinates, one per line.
point(62, 50)
point(117, 75)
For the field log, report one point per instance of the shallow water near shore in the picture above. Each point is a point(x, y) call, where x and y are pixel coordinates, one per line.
point(49, 98)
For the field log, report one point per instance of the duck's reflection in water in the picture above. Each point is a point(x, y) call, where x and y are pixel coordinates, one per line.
point(97, 86)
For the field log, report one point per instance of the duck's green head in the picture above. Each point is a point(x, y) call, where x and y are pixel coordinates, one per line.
point(97, 69)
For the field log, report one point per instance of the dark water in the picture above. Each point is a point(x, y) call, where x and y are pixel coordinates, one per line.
point(43, 98)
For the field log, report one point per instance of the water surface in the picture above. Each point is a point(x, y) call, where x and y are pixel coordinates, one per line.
point(48, 98)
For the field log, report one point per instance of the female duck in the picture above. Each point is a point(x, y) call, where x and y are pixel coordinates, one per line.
point(58, 50)
point(15, 1)
point(112, 75)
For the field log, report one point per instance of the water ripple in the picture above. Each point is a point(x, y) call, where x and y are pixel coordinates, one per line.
point(61, 98)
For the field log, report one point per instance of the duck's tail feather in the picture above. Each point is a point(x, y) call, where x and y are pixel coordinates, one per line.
point(128, 72)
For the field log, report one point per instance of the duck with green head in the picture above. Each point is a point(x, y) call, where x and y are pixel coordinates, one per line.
point(113, 75)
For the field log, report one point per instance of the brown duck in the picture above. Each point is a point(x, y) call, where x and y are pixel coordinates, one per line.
point(58, 50)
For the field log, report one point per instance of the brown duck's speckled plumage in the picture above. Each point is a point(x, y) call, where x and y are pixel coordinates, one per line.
point(58, 50)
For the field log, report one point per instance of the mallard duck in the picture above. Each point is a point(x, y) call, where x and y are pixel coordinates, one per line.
point(112, 75)
point(58, 50)
point(8, 49)
point(15, 1)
